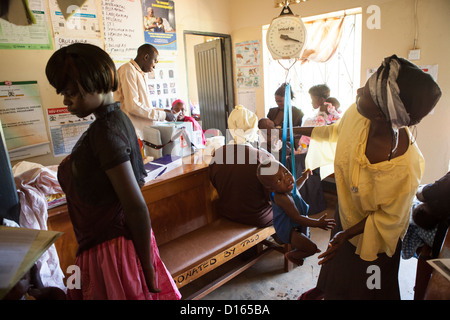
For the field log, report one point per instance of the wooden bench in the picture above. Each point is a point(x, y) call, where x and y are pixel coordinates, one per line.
point(201, 251)
point(192, 239)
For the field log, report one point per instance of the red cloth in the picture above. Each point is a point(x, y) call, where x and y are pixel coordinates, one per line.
point(112, 271)
point(196, 127)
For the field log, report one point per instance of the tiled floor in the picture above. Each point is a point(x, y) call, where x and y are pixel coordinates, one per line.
point(266, 280)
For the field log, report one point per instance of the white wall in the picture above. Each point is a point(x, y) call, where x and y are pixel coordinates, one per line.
point(243, 19)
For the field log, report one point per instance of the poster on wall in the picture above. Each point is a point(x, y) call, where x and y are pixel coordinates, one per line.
point(247, 98)
point(22, 118)
point(65, 129)
point(33, 37)
point(159, 24)
point(162, 82)
point(82, 26)
point(123, 31)
point(248, 65)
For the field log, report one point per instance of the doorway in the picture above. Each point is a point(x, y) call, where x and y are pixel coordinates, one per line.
point(210, 77)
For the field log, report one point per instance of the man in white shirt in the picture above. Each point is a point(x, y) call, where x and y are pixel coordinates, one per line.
point(133, 92)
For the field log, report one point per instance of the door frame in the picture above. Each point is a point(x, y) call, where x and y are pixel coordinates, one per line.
point(228, 71)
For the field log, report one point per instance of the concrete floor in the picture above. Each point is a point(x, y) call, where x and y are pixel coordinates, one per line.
point(266, 280)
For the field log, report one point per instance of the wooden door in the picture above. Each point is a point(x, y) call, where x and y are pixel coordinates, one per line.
point(211, 85)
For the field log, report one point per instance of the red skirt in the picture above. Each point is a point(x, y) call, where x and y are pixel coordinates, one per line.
point(112, 271)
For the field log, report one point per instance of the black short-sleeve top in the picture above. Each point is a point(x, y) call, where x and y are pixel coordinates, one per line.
point(94, 207)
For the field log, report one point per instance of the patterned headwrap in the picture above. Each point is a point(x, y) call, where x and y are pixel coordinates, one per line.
point(403, 92)
point(386, 93)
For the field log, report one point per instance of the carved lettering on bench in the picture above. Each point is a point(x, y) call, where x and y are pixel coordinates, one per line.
point(229, 252)
point(196, 270)
point(219, 259)
point(250, 240)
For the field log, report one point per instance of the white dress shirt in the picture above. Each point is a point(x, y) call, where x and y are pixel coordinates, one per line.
point(134, 98)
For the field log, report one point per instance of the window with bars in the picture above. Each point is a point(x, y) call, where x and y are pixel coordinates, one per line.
point(341, 72)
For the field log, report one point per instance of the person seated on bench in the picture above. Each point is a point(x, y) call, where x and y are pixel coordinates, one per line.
point(242, 198)
point(290, 220)
point(430, 218)
point(427, 229)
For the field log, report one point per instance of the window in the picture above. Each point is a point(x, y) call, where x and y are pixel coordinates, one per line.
point(341, 73)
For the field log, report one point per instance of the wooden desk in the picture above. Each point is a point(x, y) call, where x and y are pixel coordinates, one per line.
point(439, 287)
point(178, 201)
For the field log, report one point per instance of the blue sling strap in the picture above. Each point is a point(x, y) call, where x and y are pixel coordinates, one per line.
point(301, 204)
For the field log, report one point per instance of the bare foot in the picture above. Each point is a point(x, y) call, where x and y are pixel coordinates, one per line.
point(295, 256)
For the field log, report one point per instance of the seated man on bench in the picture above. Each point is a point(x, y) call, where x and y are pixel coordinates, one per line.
point(242, 198)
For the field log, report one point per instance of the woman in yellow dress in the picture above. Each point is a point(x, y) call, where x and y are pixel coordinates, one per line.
point(378, 168)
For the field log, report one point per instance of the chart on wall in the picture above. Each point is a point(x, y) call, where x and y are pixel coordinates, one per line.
point(162, 82)
point(65, 129)
point(123, 31)
point(34, 37)
point(159, 24)
point(83, 25)
point(248, 65)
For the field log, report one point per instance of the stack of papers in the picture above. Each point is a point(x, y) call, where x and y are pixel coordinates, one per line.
point(19, 250)
point(441, 265)
point(162, 165)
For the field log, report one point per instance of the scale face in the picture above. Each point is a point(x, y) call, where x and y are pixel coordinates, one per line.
point(286, 37)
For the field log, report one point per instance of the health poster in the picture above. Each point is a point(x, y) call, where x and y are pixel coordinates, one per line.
point(159, 24)
point(83, 25)
point(248, 64)
point(36, 36)
point(21, 115)
point(66, 129)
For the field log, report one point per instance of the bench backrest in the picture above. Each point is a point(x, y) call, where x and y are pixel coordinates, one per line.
point(180, 205)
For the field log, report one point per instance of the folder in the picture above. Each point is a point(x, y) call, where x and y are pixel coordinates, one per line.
point(19, 250)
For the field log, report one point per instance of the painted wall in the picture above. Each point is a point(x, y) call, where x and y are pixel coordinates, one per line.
point(396, 35)
point(243, 19)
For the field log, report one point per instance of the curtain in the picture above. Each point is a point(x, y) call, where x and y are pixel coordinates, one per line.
point(324, 36)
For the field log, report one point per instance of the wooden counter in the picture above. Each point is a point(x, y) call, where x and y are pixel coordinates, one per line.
point(178, 201)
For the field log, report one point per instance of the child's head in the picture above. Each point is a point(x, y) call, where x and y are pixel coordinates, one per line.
point(85, 66)
point(275, 177)
point(423, 216)
point(319, 93)
point(334, 102)
point(266, 123)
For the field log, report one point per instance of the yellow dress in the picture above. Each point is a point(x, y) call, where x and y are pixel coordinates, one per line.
point(382, 192)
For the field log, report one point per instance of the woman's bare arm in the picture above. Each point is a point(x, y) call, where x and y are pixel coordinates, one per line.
point(136, 214)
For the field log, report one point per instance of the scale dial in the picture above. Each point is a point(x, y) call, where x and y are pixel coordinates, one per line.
point(286, 37)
